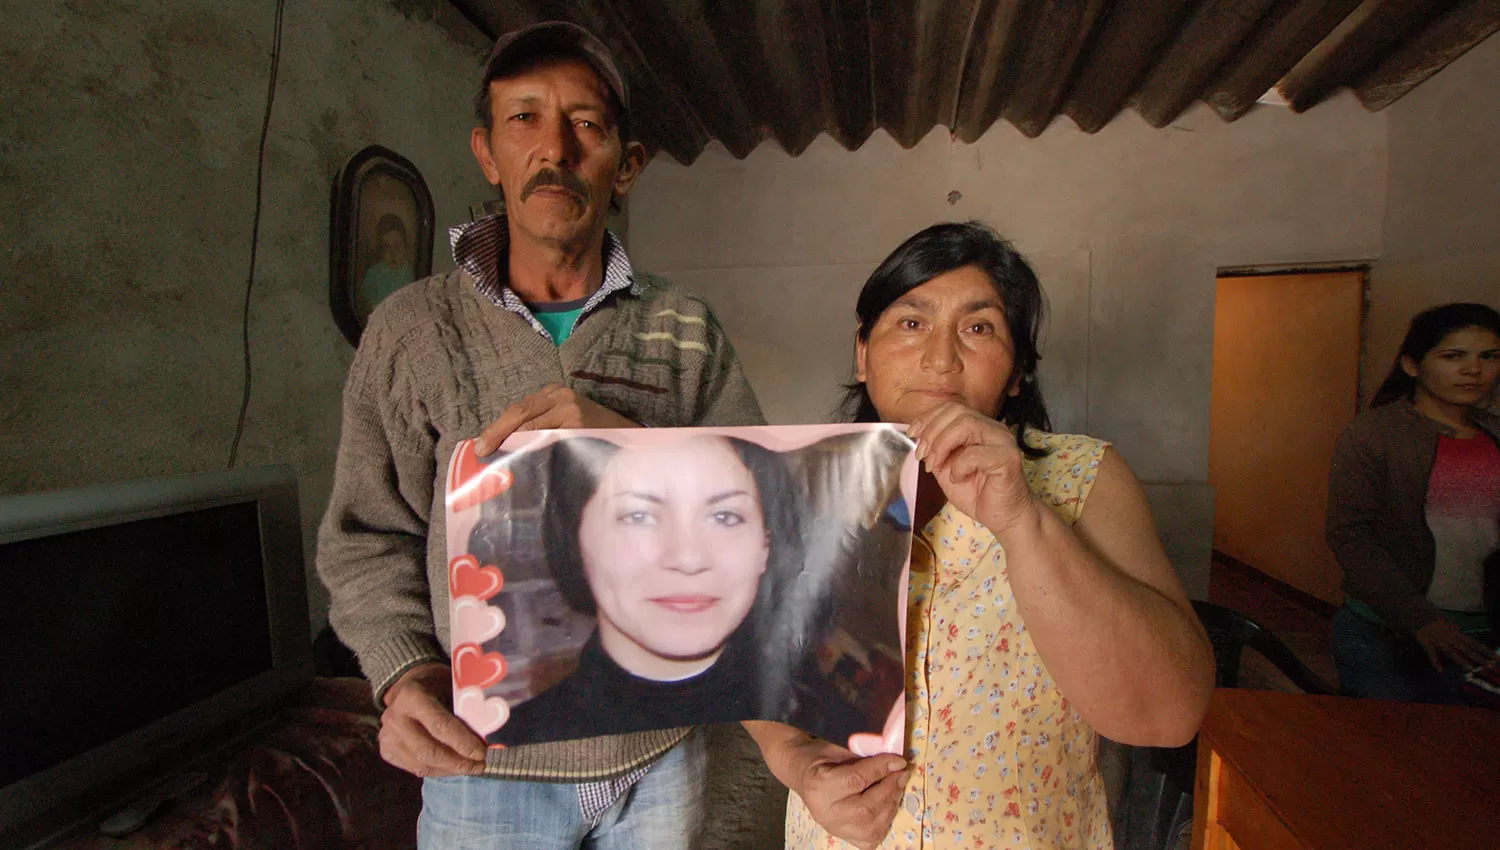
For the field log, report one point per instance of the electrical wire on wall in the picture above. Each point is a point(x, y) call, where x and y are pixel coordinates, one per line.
point(260, 171)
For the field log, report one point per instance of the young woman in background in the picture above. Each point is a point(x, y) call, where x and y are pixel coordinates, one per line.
point(1414, 511)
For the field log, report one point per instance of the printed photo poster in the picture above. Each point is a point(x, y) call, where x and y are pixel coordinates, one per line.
point(613, 581)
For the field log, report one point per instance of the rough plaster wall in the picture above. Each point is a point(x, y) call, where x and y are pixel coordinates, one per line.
point(1442, 237)
point(129, 139)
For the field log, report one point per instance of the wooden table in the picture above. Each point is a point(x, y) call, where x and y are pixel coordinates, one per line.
point(1280, 771)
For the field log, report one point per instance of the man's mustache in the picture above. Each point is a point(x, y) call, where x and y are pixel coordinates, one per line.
point(561, 179)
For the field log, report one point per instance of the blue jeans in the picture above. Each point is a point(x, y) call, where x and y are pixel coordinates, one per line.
point(662, 811)
point(1378, 662)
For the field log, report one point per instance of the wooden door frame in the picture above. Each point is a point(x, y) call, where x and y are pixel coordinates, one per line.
point(1363, 267)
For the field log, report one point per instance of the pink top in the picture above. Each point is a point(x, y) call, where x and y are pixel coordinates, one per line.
point(1463, 511)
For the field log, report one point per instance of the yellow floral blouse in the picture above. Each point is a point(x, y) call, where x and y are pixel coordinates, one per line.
point(999, 758)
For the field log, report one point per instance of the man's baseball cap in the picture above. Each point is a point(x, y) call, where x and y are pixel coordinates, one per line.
point(551, 37)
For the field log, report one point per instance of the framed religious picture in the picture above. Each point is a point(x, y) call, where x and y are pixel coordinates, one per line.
point(381, 236)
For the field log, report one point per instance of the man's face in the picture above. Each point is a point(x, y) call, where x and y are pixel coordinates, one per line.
point(554, 150)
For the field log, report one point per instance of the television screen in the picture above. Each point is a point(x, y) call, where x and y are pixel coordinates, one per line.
point(107, 629)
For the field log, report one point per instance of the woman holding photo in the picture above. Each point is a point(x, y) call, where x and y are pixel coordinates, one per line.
point(1042, 609)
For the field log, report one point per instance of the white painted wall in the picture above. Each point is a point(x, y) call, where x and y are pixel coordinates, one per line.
point(1127, 228)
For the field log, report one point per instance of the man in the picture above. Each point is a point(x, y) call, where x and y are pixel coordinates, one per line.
point(543, 325)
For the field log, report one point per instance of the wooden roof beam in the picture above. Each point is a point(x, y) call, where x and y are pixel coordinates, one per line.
point(1449, 37)
point(1348, 52)
point(995, 39)
point(841, 62)
point(919, 57)
point(1293, 29)
point(1130, 39)
point(768, 55)
point(1051, 55)
point(677, 44)
point(1213, 33)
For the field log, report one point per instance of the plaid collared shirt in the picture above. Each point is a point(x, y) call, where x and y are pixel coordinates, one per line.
point(595, 798)
point(480, 246)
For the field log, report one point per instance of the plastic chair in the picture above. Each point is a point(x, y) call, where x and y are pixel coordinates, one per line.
point(1157, 808)
point(1232, 632)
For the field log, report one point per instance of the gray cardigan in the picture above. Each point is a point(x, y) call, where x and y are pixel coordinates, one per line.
point(1377, 509)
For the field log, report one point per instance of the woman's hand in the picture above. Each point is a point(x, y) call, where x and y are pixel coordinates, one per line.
point(977, 462)
point(1443, 640)
point(853, 798)
point(890, 738)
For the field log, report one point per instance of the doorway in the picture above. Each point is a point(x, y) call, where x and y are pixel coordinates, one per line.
point(1285, 383)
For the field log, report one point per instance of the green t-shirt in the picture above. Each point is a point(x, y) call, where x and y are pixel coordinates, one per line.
point(558, 317)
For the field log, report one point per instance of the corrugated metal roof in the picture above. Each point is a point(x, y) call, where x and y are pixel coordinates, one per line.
point(743, 72)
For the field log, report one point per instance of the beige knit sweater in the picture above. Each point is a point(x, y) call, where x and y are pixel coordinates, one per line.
point(438, 362)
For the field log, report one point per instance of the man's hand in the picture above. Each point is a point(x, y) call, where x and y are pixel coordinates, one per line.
point(1444, 641)
point(853, 798)
point(553, 406)
point(418, 731)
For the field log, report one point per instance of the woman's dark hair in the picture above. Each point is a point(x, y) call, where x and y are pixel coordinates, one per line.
point(938, 250)
point(1427, 331)
point(577, 465)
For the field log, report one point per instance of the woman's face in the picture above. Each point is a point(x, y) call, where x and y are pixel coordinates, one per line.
point(1460, 370)
point(393, 248)
point(674, 543)
point(945, 340)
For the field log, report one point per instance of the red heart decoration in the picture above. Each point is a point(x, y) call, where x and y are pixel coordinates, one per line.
point(472, 481)
point(475, 668)
point(467, 578)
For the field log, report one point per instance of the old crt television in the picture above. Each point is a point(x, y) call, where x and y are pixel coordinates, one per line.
point(142, 625)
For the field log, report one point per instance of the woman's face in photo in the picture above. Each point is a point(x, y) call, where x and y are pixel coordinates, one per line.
point(1460, 370)
point(674, 543)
